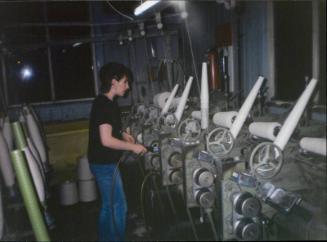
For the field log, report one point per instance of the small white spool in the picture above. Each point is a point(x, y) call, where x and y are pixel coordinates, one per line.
point(224, 119)
point(87, 190)
point(68, 193)
point(265, 130)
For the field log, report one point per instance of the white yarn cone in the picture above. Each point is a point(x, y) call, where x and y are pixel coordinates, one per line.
point(68, 193)
point(83, 169)
point(7, 133)
point(36, 174)
point(87, 190)
point(5, 163)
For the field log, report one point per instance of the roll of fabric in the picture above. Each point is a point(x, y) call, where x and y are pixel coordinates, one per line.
point(68, 193)
point(224, 119)
point(266, 130)
point(83, 169)
point(314, 145)
point(87, 190)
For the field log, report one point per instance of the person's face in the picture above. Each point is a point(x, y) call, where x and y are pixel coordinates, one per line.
point(120, 86)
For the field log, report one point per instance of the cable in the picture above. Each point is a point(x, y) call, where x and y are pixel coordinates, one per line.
point(208, 211)
point(120, 13)
point(192, 224)
point(193, 59)
point(142, 189)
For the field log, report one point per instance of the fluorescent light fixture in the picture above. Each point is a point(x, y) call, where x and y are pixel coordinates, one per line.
point(145, 6)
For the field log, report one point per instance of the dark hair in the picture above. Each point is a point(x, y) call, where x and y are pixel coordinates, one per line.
point(110, 71)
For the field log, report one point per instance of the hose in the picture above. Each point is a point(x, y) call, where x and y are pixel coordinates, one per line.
point(212, 224)
point(142, 189)
point(192, 224)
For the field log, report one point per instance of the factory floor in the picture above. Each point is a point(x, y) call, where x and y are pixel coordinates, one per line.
point(78, 222)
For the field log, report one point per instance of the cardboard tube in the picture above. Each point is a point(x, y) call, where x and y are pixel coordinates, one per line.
point(246, 107)
point(19, 135)
point(204, 97)
point(180, 108)
point(170, 99)
point(29, 196)
point(294, 116)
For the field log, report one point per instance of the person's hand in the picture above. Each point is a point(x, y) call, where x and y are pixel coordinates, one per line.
point(139, 149)
point(129, 138)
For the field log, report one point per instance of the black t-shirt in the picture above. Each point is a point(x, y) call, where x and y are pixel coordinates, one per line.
point(104, 111)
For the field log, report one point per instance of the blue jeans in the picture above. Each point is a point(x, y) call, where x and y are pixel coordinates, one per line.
point(109, 229)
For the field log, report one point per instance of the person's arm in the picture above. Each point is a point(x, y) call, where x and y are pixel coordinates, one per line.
point(127, 137)
point(109, 141)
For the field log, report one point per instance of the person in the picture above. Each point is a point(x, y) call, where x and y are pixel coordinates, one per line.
point(107, 141)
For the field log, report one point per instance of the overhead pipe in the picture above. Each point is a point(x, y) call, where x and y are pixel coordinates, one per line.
point(170, 99)
point(204, 97)
point(246, 107)
point(180, 108)
point(293, 118)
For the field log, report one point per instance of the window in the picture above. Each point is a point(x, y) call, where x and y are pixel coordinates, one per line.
point(46, 42)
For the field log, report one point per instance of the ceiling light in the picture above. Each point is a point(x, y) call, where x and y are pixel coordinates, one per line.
point(145, 6)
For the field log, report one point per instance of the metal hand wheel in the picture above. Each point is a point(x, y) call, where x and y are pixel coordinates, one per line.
point(189, 130)
point(220, 142)
point(266, 160)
